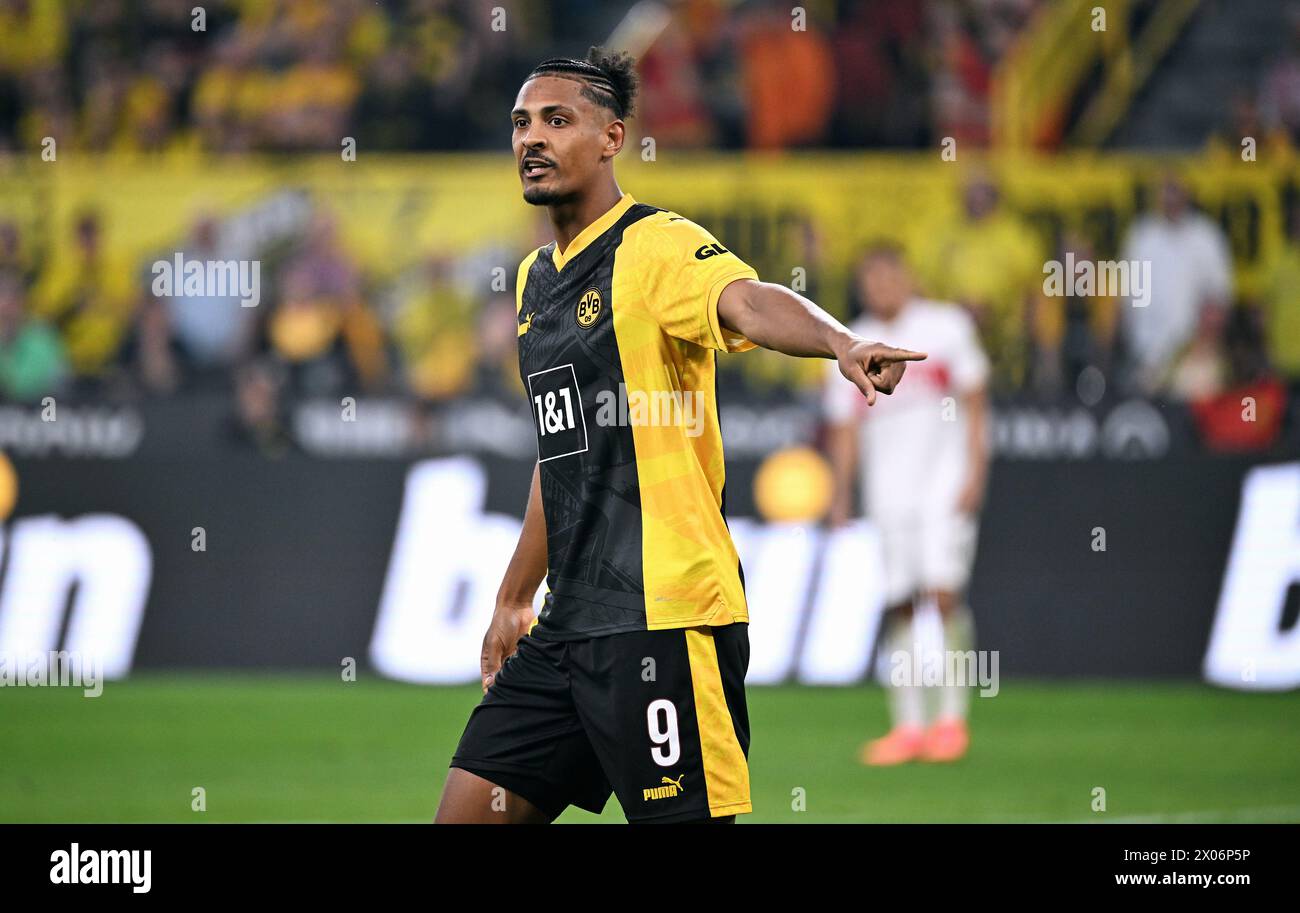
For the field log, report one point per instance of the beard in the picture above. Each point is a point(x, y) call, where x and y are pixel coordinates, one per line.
point(545, 196)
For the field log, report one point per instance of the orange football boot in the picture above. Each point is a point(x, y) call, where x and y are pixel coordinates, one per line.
point(900, 745)
point(945, 741)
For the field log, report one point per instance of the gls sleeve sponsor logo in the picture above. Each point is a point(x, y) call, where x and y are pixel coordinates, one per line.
point(710, 250)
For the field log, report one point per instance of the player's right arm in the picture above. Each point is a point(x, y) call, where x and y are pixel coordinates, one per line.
point(702, 293)
point(514, 608)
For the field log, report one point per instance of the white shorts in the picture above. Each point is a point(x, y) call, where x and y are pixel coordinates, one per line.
point(925, 553)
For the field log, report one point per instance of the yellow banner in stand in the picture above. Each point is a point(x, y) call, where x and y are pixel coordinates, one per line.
point(800, 219)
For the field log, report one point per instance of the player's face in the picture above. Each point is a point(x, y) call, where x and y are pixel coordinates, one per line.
point(885, 286)
point(560, 139)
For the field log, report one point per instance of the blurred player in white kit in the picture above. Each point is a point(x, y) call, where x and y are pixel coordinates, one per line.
point(922, 455)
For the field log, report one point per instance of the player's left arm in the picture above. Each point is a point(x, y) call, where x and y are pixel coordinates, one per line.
point(774, 317)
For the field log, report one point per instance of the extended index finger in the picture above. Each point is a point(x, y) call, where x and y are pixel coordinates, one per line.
point(889, 353)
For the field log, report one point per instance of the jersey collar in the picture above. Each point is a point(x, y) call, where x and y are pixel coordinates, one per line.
point(592, 232)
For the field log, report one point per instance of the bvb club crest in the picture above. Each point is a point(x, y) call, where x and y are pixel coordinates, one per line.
point(589, 307)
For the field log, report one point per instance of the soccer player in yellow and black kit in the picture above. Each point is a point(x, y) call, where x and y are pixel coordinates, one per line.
point(631, 679)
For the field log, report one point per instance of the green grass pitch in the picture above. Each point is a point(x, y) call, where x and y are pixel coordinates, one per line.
point(268, 748)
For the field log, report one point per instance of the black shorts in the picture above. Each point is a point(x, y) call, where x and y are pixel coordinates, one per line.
point(657, 717)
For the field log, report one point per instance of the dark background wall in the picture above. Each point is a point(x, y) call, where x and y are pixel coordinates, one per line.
point(297, 551)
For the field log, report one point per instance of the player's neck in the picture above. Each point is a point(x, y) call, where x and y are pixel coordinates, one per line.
point(569, 219)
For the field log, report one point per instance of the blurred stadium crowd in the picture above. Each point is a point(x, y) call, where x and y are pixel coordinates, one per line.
point(133, 75)
point(293, 75)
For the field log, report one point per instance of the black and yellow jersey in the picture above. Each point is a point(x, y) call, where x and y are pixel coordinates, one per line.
point(618, 337)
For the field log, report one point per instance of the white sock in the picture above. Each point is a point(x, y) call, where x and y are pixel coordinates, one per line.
point(958, 637)
point(906, 702)
point(927, 635)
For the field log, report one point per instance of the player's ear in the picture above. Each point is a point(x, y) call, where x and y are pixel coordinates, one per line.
point(615, 133)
